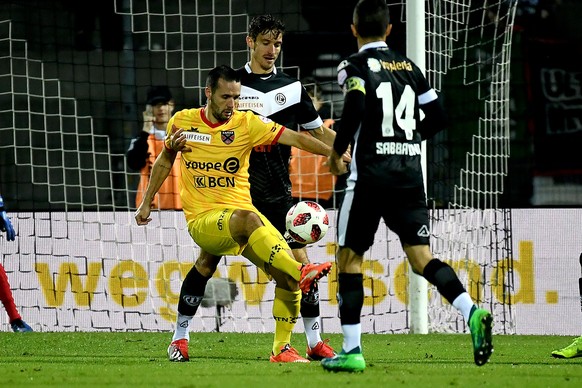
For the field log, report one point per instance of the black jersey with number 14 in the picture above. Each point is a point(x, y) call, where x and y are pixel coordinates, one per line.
point(387, 145)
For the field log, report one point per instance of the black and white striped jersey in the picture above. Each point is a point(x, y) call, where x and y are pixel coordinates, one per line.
point(386, 144)
point(285, 101)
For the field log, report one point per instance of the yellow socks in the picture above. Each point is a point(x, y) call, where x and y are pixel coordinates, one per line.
point(286, 313)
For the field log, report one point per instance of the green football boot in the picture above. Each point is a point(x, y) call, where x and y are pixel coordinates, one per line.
point(352, 361)
point(570, 351)
point(480, 324)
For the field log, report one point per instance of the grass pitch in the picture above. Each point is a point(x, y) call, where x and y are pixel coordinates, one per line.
point(242, 360)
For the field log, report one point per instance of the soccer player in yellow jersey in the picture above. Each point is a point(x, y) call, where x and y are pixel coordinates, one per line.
point(215, 142)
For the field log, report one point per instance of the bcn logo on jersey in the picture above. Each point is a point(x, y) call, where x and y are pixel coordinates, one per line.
point(394, 148)
point(209, 182)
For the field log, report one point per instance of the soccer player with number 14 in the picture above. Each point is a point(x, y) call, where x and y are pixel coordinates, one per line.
point(386, 97)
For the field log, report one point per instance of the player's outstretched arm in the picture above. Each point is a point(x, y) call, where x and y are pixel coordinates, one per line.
point(306, 143)
point(325, 134)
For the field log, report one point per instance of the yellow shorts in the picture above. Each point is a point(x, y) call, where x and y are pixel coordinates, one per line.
point(211, 232)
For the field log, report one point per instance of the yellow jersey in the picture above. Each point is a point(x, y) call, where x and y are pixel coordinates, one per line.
point(215, 174)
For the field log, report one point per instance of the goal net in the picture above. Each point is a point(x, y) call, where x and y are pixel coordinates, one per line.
point(72, 92)
point(469, 47)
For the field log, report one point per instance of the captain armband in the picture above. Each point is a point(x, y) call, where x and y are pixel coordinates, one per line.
point(355, 83)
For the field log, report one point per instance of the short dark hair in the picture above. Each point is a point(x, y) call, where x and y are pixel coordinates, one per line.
point(264, 24)
point(224, 72)
point(371, 18)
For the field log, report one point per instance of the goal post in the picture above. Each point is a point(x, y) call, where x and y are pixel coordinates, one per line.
point(68, 112)
point(415, 50)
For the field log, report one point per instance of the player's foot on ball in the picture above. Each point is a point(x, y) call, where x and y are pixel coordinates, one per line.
point(311, 273)
point(288, 354)
point(481, 324)
point(320, 351)
point(178, 351)
point(353, 361)
point(570, 351)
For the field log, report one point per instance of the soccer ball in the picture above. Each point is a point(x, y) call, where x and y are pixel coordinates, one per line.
point(307, 222)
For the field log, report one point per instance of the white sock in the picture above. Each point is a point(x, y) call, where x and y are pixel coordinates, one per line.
point(182, 325)
point(312, 328)
point(464, 304)
point(352, 337)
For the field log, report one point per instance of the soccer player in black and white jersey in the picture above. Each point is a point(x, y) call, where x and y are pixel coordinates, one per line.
point(280, 97)
point(389, 108)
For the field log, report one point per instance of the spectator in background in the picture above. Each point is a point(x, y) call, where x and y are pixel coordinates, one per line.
point(147, 145)
point(311, 179)
point(16, 322)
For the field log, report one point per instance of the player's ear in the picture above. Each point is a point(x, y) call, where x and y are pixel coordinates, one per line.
point(354, 30)
point(207, 92)
point(388, 29)
point(250, 42)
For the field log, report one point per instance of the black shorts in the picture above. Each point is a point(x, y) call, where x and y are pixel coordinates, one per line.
point(276, 213)
point(404, 211)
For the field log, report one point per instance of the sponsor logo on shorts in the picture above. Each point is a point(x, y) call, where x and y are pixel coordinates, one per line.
point(220, 222)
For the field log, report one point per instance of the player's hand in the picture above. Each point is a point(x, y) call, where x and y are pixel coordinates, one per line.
point(347, 156)
point(142, 214)
point(6, 226)
point(336, 164)
point(178, 140)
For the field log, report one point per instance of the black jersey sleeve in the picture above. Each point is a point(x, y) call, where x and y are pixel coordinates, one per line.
point(307, 115)
point(354, 108)
point(434, 121)
point(353, 85)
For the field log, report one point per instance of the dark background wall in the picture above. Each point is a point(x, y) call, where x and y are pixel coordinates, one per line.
point(103, 66)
